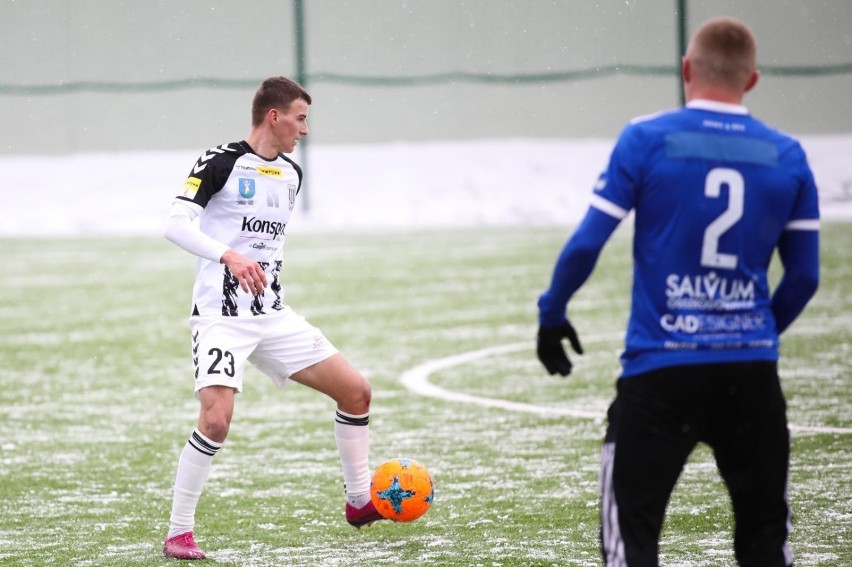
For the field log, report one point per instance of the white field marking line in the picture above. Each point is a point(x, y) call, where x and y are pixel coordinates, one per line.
point(416, 379)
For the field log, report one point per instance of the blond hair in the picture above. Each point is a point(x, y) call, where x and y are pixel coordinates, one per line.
point(723, 51)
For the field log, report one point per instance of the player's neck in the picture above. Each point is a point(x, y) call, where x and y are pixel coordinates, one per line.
point(716, 94)
point(262, 145)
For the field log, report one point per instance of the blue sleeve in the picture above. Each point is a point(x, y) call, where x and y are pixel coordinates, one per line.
point(574, 265)
point(799, 253)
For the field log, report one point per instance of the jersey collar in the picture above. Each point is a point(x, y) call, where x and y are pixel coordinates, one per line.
point(716, 106)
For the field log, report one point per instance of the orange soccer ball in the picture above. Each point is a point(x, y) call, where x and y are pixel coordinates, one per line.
point(401, 490)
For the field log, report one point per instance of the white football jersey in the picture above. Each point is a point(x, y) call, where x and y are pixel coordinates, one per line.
point(245, 203)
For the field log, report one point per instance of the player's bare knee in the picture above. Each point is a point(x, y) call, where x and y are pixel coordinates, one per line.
point(357, 399)
point(365, 395)
point(214, 426)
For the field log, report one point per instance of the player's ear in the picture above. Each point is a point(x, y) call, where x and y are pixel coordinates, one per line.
point(685, 70)
point(272, 115)
point(752, 80)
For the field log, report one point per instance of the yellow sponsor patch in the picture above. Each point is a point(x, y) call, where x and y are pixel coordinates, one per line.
point(269, 171)
point(190, 188)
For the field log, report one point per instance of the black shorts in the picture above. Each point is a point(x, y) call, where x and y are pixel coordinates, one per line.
point(655, 422)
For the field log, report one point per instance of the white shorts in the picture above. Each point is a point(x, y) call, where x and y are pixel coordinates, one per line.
point(278, 344)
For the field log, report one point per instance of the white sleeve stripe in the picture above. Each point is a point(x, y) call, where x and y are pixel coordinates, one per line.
point(803, 225)
point(608, 207)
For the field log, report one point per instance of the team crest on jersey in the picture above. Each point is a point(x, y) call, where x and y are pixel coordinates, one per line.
point(247, 188)
point(291, 189)
point(190, 187)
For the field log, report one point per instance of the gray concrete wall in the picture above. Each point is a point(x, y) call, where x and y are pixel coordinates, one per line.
point(55, 42)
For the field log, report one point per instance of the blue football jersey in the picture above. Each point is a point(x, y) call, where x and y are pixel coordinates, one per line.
point(713, 189)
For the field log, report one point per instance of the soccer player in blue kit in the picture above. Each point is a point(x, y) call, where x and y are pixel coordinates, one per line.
point(715, 192)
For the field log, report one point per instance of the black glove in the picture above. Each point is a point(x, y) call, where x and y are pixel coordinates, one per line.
point(550, 351)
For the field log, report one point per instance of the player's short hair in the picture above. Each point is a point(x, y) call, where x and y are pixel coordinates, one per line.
point(276, 92)
point(723, 50)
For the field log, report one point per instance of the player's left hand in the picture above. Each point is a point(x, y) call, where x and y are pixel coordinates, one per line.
point(247, 272)
point(550, 351)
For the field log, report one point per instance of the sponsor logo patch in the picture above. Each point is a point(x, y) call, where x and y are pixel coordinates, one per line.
point(708, 292)
point(269, 171)
point(253, 225)
point(190, 187)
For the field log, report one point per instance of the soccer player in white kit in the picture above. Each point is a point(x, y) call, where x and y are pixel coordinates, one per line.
point(242, 195)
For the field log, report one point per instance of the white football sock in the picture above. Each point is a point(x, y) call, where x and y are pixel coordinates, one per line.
point(352, 434)
point(358, 500)
point(192, 472)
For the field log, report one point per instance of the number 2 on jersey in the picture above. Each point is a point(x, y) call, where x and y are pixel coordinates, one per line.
point(710, 255)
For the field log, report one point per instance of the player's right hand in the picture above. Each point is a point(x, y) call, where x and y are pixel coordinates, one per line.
point(550, 350)
point(248, 272)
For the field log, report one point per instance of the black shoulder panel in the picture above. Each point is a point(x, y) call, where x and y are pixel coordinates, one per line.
point(213, 169)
